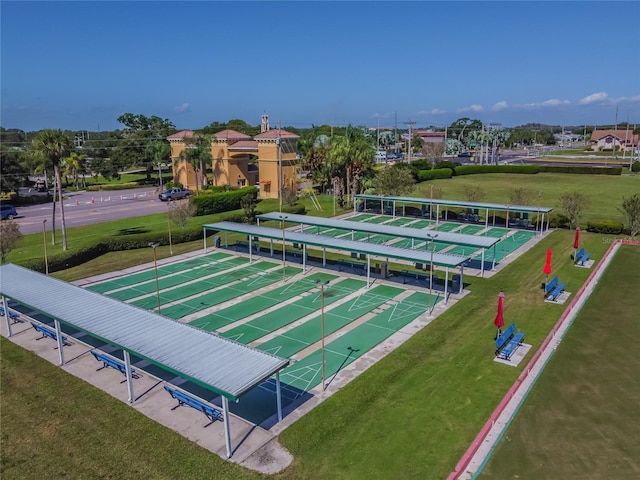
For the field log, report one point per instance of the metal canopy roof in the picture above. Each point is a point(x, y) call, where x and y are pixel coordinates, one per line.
point(227, 367)
point(404, 232)
point(440, 259)
point(458, 203)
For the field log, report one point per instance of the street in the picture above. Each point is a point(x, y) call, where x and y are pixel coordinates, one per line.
point(84, 208)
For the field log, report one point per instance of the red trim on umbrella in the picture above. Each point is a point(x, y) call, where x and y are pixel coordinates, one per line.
point(576, 241)
point(547, 266)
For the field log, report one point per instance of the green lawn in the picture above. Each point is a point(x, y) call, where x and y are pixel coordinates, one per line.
point(605, 192)
point(582, 418)
point(411, 415)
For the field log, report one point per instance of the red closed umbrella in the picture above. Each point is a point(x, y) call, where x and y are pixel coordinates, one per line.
point(576, 242)
point(547, 266)
point(499, 320)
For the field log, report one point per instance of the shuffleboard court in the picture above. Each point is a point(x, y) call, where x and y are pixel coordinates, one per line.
point(470, 229)
point(149, 286)
point(272, 321)
point(376, 219)
point(400, 221)
point(251, 284)
point(307, 373)
point(309, 332)
point(169, 296)
point(420, 224)
point(446, 227)
point(271, 298)
point(149, 274)
point(361, 217)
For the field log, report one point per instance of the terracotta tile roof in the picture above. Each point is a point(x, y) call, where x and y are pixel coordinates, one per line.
point(273, 134)
point(231, 135)
point(244, 145)
point(619, 134)
point(180, 135)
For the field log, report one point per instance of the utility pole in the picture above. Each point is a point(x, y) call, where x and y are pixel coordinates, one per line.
point(279, 144)
point(395, 132)
point(410, 123)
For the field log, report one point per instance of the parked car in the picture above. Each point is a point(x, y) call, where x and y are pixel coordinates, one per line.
point(8, 212)
point(175, 194)
point(464, 155)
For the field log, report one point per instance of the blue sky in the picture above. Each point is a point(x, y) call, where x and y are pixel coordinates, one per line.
point(79, 65)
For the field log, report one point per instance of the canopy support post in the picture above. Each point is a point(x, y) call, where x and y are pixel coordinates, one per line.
point(127, 369)
point(278, 396)
point(304, 258)
point(227, 428)
point(7, 317)
point(59, 335)
point(368, 269)
point(446, 284)
point(482, 264)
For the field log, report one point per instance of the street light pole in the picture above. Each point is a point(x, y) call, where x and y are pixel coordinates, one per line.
point(155, 265)
point(322, 285)
point(432, 237)
point(284, 251)
point(44, 241)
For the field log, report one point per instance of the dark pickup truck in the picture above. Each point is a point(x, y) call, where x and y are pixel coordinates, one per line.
point(174, 194)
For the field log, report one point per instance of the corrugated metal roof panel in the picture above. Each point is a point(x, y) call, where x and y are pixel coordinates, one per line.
point(381, 251)
point(403, 232)
point(503, 207)
point(227, 366)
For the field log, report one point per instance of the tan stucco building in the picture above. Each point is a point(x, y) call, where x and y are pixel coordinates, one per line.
point(240, 160)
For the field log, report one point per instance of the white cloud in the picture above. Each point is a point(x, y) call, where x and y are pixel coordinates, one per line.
point(626, 99)
point(182, 108)
point(471, 108)
point(554, 102)
point(434, 111)
point(594, 97)
point(500, 105)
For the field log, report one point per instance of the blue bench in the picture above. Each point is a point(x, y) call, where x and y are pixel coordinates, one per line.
point(411, 275)
point(356, 266)
point(210, 412)
point(555, 293)
point(583, 259)
point(12, 315)
point(48, 332)
point(548, 288)
point(508, 342)
point(578, 255)
point(108, 361)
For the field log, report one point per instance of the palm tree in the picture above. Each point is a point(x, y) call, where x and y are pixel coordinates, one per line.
point(160, 152)
point(72, 166)
point(53, 146)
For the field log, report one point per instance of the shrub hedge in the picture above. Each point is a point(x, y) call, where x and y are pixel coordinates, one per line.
point(210, 203)
point(476, 169)
point(424, 175)
point(118, 243)
point(584, 170)
point(605, 226)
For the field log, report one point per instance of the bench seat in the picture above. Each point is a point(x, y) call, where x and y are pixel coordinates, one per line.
point(183, 398)
point(548, 288)
point(12, 315)
point(48, 332)
point(584, 259)
point(512, 346)
point(557, 291)
point(111, 362)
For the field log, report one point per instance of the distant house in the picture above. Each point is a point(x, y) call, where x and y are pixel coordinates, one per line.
point(429, 136)
point(618, 139)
